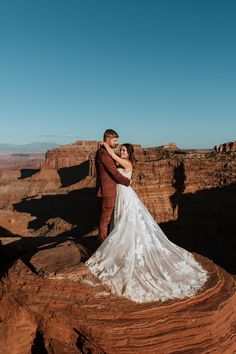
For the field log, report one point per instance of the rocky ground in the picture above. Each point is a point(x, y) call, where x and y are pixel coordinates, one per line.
point(48, 227)
point(51, 304)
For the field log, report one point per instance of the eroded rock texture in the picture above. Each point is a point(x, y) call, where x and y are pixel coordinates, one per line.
point(227, 147)
point(68, 311)
point(48, 228)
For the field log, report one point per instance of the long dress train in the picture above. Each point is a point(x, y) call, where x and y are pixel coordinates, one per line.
point(138, 261)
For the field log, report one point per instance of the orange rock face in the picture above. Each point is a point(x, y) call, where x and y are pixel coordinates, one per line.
point(14, 168)
point(227, 147)
point(48, 219)
point(69, 155)
point(190, 193)
point(71, 312)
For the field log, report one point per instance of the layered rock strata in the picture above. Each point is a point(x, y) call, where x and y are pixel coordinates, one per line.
point(68, 311)
point(226, 147)
point(50, 303)
point(191, 194)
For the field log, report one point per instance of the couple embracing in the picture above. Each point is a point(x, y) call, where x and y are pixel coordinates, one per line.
point(136, 259)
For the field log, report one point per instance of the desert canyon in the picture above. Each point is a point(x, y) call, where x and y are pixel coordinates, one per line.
point(50, 303)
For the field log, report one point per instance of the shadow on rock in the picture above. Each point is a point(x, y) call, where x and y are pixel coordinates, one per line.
point(206, 225)
point(179, 184)
point(28, 172)
point(80, 207)
point(25, 248)
point(74, 174)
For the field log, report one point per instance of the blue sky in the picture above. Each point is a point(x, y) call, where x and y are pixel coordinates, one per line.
point(155, 71)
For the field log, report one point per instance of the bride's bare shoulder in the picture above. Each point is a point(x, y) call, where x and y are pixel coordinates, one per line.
point(128, 168)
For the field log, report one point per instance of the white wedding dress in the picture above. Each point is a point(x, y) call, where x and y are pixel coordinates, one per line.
point(138, 261)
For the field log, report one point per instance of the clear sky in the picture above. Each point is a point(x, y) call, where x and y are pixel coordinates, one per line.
point(155, 71)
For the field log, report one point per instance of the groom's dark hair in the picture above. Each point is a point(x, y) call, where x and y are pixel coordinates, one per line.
point(110, 133)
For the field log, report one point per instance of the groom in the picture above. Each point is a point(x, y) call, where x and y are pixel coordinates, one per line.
point(107, 178)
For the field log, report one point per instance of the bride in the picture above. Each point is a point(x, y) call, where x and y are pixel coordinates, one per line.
point(137, 260)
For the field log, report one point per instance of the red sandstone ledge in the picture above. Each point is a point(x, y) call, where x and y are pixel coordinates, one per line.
point(71, 312)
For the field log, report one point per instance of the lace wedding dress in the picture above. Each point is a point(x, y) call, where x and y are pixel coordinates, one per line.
point(138, 261)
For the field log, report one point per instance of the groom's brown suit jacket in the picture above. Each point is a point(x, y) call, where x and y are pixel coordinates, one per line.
point(107, 174)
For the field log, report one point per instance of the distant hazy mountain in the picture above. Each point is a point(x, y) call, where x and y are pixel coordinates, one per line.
point(27, 148)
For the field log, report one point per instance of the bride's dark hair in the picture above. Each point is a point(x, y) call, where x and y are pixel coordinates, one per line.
point(130, 150)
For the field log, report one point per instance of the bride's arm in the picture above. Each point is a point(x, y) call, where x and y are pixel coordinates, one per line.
point(124, 163)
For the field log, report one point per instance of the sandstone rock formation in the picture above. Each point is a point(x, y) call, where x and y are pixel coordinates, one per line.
point(226, 147)
point(171, 183)
point(68, 311)
point(69, 155)
point(48, 219)
point(15, 172)
point(53, 260)
point(169, 146)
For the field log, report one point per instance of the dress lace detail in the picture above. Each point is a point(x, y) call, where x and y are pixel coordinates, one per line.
point(138, 261)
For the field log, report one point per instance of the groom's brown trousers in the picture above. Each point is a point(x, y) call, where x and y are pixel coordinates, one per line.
point(107, 178)
point(107, 207)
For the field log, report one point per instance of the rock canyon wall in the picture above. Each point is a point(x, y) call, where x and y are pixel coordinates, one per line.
point(48, 224)
point(191, 194)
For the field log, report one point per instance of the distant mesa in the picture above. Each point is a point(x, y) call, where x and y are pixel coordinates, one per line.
point(169, 146)
point(226, 147)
